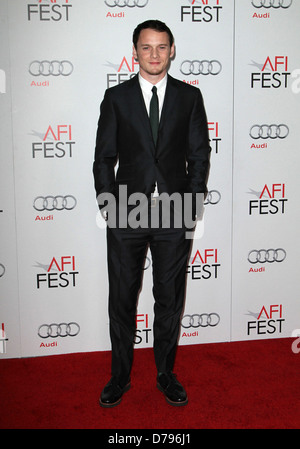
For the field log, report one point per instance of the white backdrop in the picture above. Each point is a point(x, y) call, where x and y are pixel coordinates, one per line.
point(57, 59)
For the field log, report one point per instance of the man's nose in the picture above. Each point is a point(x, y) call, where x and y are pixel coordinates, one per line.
point(154, 53)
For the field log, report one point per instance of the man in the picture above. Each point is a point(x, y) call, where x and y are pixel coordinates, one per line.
point(168, 157)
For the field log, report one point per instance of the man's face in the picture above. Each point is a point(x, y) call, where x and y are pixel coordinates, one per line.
point(153, 53)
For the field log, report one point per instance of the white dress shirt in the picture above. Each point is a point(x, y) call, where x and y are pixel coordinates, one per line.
point(146, 87)
point(147, 92)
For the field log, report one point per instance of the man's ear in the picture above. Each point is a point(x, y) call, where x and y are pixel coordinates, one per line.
point(134, 53)
point(172, 53)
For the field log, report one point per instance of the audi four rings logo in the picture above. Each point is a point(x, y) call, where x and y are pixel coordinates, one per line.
point(269, 131)
point(58, 202)
point(129, 3)
point(58, 330)
point(267, 255)
point(272, 3)
point(54, 68)
point(213, 197)
point(2, 270)
point(203, 320)
point(203, 67)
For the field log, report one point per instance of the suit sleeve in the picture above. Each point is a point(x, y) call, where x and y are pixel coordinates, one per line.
point(198, 152)
point(106, 148)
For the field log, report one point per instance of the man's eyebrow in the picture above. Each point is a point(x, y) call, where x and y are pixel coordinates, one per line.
point(159, 45)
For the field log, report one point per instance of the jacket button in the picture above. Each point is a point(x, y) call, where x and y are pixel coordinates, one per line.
point(156, 161)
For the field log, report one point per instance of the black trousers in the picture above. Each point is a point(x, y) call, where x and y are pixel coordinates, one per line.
point(126, 249)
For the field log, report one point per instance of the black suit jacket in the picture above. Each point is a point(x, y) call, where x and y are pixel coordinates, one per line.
point(180, 160)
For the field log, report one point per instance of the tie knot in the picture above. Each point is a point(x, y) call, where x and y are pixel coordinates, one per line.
point(154, 89)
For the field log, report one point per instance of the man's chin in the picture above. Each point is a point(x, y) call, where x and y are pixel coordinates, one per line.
point(155, 71)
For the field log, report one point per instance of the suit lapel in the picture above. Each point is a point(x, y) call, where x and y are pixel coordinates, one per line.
point(139, 106)
point(169, 101)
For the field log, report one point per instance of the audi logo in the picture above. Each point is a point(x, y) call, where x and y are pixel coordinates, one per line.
point(58, 330)
point(58, 202)
point(129, 3)
point(271, 3)
point(203, 320)
point(2, 270)
point(269, 131)
point(54, 68)
point(203, 67)
point(212, 197)
point(267, 255)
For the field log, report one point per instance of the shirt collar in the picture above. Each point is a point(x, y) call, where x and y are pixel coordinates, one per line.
point(146, 85)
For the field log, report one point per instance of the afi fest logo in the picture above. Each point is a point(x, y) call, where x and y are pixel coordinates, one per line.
point(268, 321)
point(60, 145)
point(274, 202)
point(214, 134)
point(56, 11)
point(204, 11)
point(204, 264)
point(126, 69)
point(273, 73)
point(64, 273)
point(142, 333)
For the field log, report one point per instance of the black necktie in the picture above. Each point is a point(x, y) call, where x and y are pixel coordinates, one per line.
point(154, 114)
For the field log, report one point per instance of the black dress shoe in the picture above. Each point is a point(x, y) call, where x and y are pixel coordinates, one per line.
point(172, 389)
point(112, 393)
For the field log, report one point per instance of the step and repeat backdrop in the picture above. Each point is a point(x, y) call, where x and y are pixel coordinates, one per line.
point(57, 59)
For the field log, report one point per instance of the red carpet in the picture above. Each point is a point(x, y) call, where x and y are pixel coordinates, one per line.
point(240, 385)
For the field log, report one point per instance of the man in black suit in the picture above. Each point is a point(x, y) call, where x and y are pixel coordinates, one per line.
point(160, 140)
